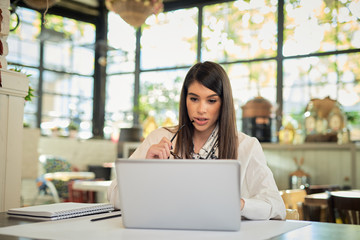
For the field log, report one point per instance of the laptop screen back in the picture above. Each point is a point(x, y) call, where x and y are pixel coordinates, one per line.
point(180, 194)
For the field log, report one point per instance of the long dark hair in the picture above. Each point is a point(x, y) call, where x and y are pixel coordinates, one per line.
point(214, 77)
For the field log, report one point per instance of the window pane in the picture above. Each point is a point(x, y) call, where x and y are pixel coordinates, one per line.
point(69, 45)
point(239, 30)
point(160, 95)
point(58, 111)
point(122, 43)
point(83, 60)
point(67, 84)
point(169, 39)
point(119, 104)
point(250, 80)
point(69, 107)
point(319, 77)
point(318, 26)
point(23, 43)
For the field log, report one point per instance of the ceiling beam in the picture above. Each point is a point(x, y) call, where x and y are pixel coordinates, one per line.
point(170, 5)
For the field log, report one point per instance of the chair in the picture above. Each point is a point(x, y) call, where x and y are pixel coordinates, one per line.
point(56, 188)
point(345, 207)
point(311, 189)
point(292, 214)
point(80, 196)
point(293, 200)
point(317, 213)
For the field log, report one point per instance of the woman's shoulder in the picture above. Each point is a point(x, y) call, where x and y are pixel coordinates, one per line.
point(245, 139)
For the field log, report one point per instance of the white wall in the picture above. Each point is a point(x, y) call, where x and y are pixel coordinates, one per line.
point(327, 163)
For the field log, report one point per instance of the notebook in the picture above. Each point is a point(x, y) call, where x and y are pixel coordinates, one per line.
point(179, 194)
point(57, 211)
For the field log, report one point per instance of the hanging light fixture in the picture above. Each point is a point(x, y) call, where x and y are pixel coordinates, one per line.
point(40, 4)
point(135, 12)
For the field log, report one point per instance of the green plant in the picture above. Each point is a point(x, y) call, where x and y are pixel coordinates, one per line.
point(30, 94)
point(73, 126)
point(353, 117)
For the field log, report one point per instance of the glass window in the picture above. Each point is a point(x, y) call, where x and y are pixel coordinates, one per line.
point(239, 30)
point(68, 84)
point(23, 42)
point(169, 39)
point(249, 80)
point(122, 44)
point(331, 76)
point(69, 45)
point(160, 95)
point(59, 111)
point(318, 26)
point(119, 104)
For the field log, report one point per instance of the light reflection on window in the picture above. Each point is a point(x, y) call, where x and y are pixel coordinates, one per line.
point(169, 39)
point(239, 30)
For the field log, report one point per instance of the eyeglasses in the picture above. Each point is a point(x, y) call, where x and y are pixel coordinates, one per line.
point(172, 139)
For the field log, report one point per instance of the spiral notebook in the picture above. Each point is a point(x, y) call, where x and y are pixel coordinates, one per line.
point(57, 211)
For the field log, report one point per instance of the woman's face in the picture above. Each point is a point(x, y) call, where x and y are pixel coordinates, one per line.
point(203, 107)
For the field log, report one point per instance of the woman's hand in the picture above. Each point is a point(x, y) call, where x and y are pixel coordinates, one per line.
point(160, 150)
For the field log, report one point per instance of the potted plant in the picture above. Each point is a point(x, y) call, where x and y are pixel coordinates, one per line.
point(73, 129)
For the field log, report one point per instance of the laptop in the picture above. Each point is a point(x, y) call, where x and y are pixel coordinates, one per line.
point(180, 194)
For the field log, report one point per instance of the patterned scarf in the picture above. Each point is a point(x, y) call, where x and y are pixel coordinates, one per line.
point(210, 148)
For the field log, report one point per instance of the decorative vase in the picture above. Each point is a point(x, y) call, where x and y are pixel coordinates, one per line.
point(256, 118)
point(299, 179)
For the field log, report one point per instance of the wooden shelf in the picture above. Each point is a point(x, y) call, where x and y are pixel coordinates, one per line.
point(310, 146)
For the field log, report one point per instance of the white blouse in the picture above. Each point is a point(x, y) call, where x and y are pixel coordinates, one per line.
point(258, 187)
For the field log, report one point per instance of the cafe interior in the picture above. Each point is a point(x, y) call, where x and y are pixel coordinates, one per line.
point(98, 76)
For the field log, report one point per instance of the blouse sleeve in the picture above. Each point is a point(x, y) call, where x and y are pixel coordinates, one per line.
point(259, 190)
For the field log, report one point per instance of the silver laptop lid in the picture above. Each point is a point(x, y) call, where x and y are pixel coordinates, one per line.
point(180, 194)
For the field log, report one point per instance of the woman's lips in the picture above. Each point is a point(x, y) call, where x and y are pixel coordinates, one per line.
point(201, 121)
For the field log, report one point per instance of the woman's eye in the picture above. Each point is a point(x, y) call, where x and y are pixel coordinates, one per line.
point(212, 100)
point(193, 99)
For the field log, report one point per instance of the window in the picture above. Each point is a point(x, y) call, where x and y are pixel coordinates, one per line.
point(24, 49)
point(169, 39)
point(239, 30)
point(66, 78)
point(320, 57)
point(322, 29)
point(120, 81)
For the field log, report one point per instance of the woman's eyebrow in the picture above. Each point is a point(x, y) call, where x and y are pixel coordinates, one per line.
point(193, 94)
point(210, 96)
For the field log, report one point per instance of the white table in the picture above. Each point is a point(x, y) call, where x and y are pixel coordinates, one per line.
point(67, 176)
point(99, 186)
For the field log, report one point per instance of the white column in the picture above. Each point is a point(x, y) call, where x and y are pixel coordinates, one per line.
point(12, 92)
point(14, 89)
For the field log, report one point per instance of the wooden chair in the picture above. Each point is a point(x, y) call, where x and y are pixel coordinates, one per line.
point(294, 199)
point(318, 213)
point(292, 214)
point(344, 206)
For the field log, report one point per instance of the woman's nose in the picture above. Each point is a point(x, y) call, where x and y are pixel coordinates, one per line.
point(202, 107)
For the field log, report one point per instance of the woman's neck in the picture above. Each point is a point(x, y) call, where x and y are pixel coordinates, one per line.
point(200, 138)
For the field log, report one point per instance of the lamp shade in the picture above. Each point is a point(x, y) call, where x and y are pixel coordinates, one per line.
point(134, 12)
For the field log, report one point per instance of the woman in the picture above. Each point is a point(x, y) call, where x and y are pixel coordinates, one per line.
point(207, 130)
